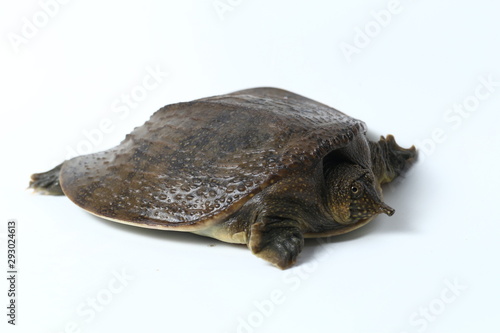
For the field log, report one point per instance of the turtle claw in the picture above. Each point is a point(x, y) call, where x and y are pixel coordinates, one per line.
point(400, 159)
point(391, 160)
point(408, 155)
point(277, 245)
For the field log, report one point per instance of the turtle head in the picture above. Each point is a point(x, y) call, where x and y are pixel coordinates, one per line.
point(353, 194)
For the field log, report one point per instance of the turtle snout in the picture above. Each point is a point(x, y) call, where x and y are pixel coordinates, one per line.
point(363, 209)
point(386, 209)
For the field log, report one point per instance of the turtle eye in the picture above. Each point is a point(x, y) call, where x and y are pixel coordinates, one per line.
point(356, 189)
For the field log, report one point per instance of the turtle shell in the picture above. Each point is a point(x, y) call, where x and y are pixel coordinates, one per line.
point(193, 164)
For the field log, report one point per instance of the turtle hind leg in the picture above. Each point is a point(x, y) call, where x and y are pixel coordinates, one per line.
point(389, 160)
point(47, 182)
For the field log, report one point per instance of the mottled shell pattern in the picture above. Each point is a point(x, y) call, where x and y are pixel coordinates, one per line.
point(197, 162)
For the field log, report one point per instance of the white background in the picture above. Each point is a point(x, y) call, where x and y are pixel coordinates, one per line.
point(62, 81)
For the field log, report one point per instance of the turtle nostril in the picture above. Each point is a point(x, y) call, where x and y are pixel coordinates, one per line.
point(387, 209)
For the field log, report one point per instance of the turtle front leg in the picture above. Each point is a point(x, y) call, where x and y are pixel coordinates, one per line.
point(276, 240)
point(389, 160)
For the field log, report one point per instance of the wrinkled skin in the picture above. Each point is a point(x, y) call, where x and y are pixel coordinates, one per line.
point(337, 198)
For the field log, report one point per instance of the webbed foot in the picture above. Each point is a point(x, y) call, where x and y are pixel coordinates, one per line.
point(389, 160)
point(279, 243)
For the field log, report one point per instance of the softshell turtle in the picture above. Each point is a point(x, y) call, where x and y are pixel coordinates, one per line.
point(263, 167)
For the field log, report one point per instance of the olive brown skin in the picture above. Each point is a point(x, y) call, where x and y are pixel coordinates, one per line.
point(263, 167)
